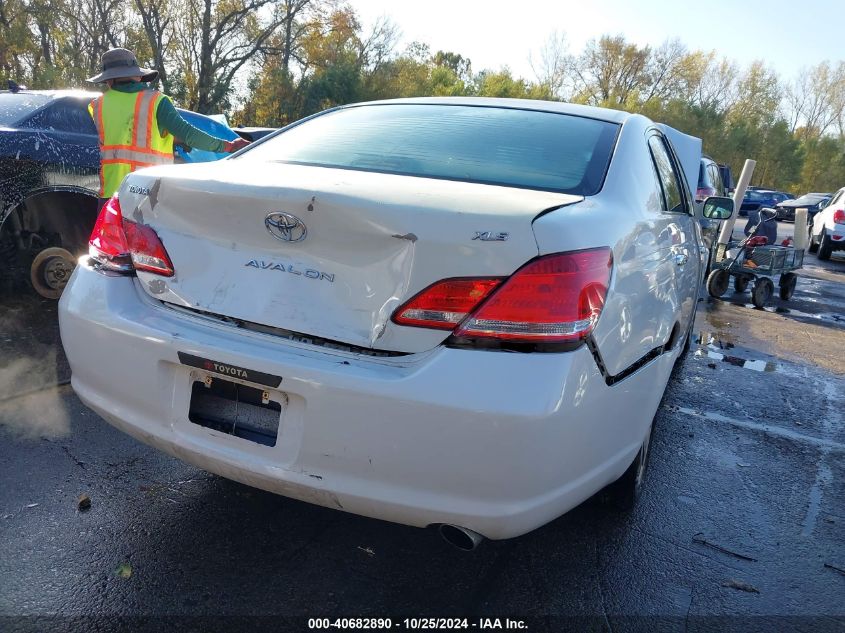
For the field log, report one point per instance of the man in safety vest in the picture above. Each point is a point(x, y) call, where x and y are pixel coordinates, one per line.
point(137, 124)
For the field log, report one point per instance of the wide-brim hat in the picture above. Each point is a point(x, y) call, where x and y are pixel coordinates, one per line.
point(119, 63)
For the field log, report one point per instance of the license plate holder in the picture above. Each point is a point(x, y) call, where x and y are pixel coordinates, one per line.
point(249, 413)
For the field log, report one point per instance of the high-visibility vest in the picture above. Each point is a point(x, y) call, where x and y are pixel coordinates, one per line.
point(130, 138)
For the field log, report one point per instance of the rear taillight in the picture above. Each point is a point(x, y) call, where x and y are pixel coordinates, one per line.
point(123, 246)
point(702, 193)
point(108, 243)
point(839, 216)
point(445, 304)
point(554, 299)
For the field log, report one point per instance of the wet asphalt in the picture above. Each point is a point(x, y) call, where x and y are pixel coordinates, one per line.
point(741, 525)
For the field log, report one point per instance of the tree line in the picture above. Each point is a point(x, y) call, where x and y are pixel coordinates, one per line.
point(271, 62)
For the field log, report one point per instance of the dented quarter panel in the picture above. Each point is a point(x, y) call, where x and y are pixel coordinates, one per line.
point(648, 293)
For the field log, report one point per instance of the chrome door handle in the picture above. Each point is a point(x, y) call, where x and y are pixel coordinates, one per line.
point(681, 258)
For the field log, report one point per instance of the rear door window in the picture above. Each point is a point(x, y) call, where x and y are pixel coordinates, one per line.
point(716, 179)
point(65, 115)
point(492, 145)
point(670, 182)
point(14, 107)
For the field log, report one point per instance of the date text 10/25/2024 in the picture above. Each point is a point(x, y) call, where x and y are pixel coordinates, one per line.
point(436, 624)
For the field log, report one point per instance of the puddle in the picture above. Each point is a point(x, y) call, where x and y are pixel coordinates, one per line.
point(821, 316)
point(823, 477)
point(836, 318)
point(713, 348)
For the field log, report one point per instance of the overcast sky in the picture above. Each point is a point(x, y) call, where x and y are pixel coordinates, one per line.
point(787, 34)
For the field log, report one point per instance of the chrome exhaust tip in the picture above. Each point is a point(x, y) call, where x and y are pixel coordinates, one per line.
point(462, 538)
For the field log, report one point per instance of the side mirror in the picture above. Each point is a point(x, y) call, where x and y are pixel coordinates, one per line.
point(718, 208)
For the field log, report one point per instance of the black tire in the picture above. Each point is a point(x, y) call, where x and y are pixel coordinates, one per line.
point(623, 493)
point(740, 284)
point(688, 337)
point(717, 283)
point(762, 291)
point(825, 246)
point(50, 271)
point(787, 285)
point(810, 246)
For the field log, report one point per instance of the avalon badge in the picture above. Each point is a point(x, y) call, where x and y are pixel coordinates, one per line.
point(285, 227)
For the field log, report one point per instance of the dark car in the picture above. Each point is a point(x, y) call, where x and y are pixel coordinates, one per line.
point(49, 182)
point(713, 179)
point(254, 133)
point(756, 198)
point(813, 202)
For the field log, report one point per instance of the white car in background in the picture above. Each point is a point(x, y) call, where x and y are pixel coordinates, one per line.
point(827, 232)
point(450, 312)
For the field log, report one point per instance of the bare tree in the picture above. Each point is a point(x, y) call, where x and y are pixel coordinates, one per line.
point(553, 69)
point(377, 48)
point(816, 100)
point(98, 26)
point(156, 19)
point(665, 70)
point(717, 89)
point(298, 18)
point(611, 71)
point(216, 39)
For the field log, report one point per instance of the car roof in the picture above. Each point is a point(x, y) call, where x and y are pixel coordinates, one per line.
point(591, 112)
point(55, 94)
point(82, 95)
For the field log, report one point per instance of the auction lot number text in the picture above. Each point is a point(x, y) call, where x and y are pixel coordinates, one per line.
point(432, 624)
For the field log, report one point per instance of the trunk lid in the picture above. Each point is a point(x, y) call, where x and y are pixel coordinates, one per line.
point(373, 241)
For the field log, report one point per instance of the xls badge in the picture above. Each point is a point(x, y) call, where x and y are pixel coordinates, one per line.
point(491, 236)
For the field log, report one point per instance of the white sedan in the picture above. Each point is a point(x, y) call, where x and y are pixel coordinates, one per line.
point(827, 231)
point(450, 312)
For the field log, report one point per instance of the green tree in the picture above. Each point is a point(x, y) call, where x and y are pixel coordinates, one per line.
point(611, 72)
point(17, 44)
point(824, 164)
point(502, 84)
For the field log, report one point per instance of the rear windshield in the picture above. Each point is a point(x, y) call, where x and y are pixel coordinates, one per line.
point(502, 146)
point(16, 106)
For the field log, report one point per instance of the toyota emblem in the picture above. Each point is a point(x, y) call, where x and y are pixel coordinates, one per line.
point(285, 227)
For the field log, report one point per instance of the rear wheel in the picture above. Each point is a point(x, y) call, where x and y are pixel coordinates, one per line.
point(717, 283)
point(740, 284)
point(762, 291)
point(787, 285)
point(825, 246)
point(50, 271)
point(688, 335)
point(623, 493)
